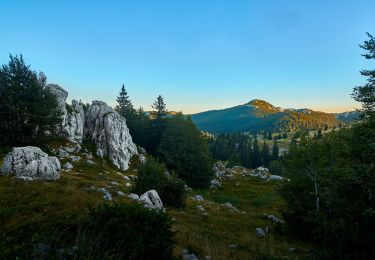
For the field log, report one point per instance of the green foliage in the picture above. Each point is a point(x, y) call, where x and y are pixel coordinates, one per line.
point(185, 151)
point(27, 108)
point(329, 196)
point(119, 231)
point(275, 151)
point(153, 175)
point(366, 93)
point(266, 158)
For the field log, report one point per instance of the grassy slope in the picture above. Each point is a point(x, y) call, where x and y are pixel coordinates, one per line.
point(213, 234)
point(47, 202)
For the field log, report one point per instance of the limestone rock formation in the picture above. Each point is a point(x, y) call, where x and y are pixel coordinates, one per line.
point(31, 162)
point(151, 200)
point(73, 120)
point(108, 130)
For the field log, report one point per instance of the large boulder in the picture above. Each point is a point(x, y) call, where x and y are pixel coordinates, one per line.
point(110, 133)
point(31, 163)
point(73, 119)
point(151, 200)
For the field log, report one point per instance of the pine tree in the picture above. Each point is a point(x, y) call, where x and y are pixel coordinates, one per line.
point(255, 155)
point(266, 155)
point(124, 107)
point(366, 93)
point(160, 107)
point(319, 135)
point(275, 151)
point(28, 110)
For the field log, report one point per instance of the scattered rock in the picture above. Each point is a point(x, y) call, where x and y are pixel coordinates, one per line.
point(142, 158)
point(200, 207)
point(187, 188)
point(198, 197)
point(88, 156)
point(106, 194)
point(259, 232)
point(274, 218)
point(133, 196)
point(62, 153)
point(275, 178)
point(230, 207)
point(88, 161)
point(25, 178)
point(120, 193)
point(75, 158)
point(187, 256)
point(128, 185)
point(113, 183)
point(68, 166)
point(151, 200)
point(215, 183)
point(233, 246)
point(31, 162)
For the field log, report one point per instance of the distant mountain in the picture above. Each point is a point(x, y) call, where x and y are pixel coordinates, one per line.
point(259, 115)
point(348, 117)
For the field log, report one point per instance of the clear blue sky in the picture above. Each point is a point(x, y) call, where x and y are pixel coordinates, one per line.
point(199, 54)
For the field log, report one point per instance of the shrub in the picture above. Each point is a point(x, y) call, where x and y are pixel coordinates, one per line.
point(185, 151)
point(119, 231)
point(154, 175)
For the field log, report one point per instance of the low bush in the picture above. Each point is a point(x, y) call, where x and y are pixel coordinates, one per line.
point(153, 175)
point(119, 231)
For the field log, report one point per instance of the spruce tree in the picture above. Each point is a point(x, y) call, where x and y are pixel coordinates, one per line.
point(28, 110)
point(160, 107)
point(255, 155)
point(124, 106)
point(275, 151)
point(266, 155)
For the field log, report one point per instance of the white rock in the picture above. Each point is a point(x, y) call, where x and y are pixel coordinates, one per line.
point(275, 178)
point(215, 183)
point(120, 193)
point(133, 196)
point(62, 153)
point(31, 162)
point(142, 158)
point(88, 161)
point(68, 166)
point(200, 207)
point(151, 200)
point(259, 232)
point(198, 197)
point(128, 185)
point(106, 194)
point(75, 158)
point(110, 133)
point(72, 126)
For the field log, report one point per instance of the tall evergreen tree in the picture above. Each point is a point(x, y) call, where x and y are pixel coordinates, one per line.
point(124, 105)
point(255, 155)
point(275, 151)
point(366, 93)
point(28, 109)
point(266, 155)
point(160, 107)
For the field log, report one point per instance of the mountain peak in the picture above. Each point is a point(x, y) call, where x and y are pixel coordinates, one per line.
point(264, 106)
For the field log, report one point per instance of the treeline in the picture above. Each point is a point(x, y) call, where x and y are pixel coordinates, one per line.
point(330, 198)
point(245, 149)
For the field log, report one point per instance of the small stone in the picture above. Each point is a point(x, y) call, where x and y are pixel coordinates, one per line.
point(68, 166)
point(113, 183)
point(233, 246)
point(75, 158)
point(88, 161)
point(133, 196)
point(259, 232)
point(106, 194)
point(198, 197)
point(120, 193)
point(200, 207)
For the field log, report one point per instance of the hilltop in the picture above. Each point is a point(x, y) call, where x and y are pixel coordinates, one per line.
point(259, 115)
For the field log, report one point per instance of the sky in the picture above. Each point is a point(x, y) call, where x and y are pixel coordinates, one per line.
point(198, 54)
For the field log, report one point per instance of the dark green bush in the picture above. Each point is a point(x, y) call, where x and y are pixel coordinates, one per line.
point(153, 175)
point(119, 231)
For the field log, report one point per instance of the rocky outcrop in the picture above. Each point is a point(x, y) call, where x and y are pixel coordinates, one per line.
point(31, 163)
point(73, 119)
point(108, 130)
point(151, 200)
point(100, 123)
